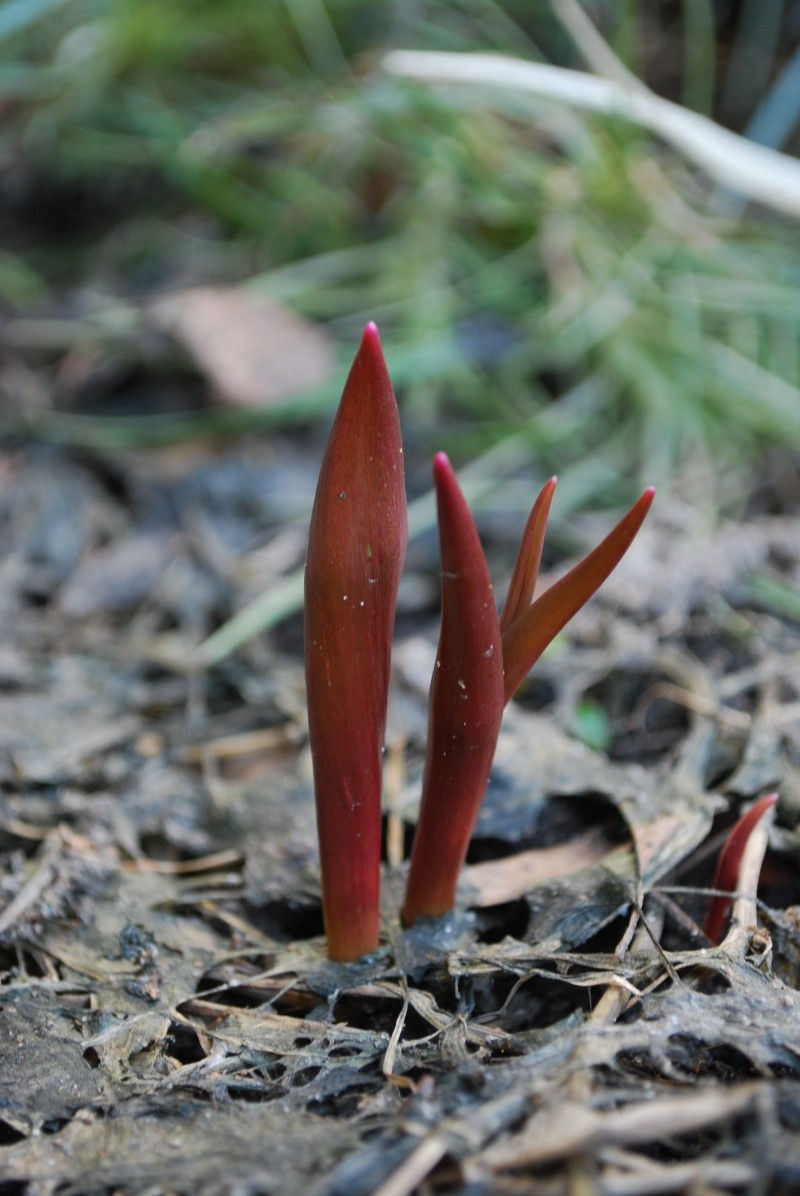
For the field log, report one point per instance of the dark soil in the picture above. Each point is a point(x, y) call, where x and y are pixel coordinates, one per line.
point(169, 1022)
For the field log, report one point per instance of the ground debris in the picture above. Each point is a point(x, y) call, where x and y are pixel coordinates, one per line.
point(168, 1018)
point(181, 1145)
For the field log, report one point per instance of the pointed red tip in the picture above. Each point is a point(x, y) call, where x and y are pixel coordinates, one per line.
point(371, 344)
point(645, 501)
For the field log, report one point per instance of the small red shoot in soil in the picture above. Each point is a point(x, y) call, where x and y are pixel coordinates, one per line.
point(471, 686)
point(726, 877)
point(357, 544)
point(465, 709)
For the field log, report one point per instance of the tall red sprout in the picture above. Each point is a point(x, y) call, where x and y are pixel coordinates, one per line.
point(465, 709)
point(356, 549)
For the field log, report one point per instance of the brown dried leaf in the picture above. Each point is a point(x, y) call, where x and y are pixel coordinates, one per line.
point(253, 351)
point(497, 881)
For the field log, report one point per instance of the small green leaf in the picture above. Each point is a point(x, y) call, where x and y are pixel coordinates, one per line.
point(591, 725)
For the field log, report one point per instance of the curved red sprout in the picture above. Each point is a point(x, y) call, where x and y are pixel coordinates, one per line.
point(529, 557)
point(726, 876)
point(531, 629)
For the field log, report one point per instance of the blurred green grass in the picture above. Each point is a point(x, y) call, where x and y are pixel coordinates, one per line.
point(565, 276)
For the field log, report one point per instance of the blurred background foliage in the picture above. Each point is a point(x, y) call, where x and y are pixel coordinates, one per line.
point(538, 274)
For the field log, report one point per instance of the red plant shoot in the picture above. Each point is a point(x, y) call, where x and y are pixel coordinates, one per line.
point(726, 876)
point(529, 630)
point(465, 709)
point(462, 736)
point(357, 544)
point(356, 549)
point(529, 557)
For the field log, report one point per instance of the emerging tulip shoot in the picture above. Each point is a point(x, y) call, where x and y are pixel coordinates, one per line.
point(471, 686)
point(356, 548)
point(466, 706)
